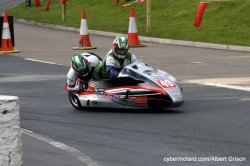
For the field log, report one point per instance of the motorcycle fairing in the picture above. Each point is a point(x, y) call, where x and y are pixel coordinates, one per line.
point(137, 86)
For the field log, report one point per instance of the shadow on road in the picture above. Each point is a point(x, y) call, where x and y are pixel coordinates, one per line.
point(133, 111)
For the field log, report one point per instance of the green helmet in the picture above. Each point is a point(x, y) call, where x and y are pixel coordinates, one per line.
point(80, 65)
point(120, 47)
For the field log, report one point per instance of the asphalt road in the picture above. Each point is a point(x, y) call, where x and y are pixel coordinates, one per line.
point(213, 122)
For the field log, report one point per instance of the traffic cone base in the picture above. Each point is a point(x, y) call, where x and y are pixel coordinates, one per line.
point(84, 43)
point(7, 52)
point(134, 40)
point(83, 48)
point(136, 45)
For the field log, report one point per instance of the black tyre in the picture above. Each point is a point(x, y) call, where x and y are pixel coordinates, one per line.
point(74, 101)
point(155, 105)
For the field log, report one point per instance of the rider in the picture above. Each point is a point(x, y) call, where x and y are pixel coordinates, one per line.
point(82, 66)
point(116, 59)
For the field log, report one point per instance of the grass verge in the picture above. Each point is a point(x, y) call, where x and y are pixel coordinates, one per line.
point(225, 22)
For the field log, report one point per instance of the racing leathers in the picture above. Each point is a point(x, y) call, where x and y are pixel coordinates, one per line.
point(111, 65)
point(72, 84)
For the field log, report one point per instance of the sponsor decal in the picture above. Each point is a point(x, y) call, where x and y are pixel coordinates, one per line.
point(116, 98)
point(99, 90)
point(140, 100)
point(130, 99)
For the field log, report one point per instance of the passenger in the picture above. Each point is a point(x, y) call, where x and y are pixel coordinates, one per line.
point(82, 66)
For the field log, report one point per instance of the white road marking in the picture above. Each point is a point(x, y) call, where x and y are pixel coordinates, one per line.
point(85, 159)
point(245, 99)
point(34, 60)
point(25, 78)
point(196, 62)
point(218, 85)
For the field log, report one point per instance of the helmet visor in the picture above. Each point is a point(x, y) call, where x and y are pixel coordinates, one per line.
point(122, 51)
point(84, 72)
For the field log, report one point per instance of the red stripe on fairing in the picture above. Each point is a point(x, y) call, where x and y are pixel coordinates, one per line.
point(152, 88)
point(91, 91)
point(87, 92)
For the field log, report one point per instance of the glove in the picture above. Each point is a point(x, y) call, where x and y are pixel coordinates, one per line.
point(83, 87)
point(75, 88)
point(80, 85)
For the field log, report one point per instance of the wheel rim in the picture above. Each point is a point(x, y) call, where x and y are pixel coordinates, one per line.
point(74, 99)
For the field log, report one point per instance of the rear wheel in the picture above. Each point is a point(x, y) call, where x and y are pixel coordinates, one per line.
point(75, 102)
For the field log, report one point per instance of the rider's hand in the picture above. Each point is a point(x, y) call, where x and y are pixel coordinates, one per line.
point(75, 88)
point(82, 87)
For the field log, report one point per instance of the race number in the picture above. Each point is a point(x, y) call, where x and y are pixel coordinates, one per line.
point(166, 83)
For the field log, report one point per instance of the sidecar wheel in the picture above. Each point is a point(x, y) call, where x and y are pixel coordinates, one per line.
point(74, 101)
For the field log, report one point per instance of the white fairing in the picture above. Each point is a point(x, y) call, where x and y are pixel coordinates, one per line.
point(144, 71)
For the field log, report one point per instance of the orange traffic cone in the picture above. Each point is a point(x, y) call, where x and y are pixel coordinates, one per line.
point(116, 2)
point(47, 5)
point(6, 42)
point(84, 42)
point(133, 39)
point(37, 3)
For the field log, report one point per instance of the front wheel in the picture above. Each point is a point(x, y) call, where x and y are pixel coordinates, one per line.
point(75, 102)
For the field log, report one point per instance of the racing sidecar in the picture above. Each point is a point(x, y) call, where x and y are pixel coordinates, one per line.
point(138, 86)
